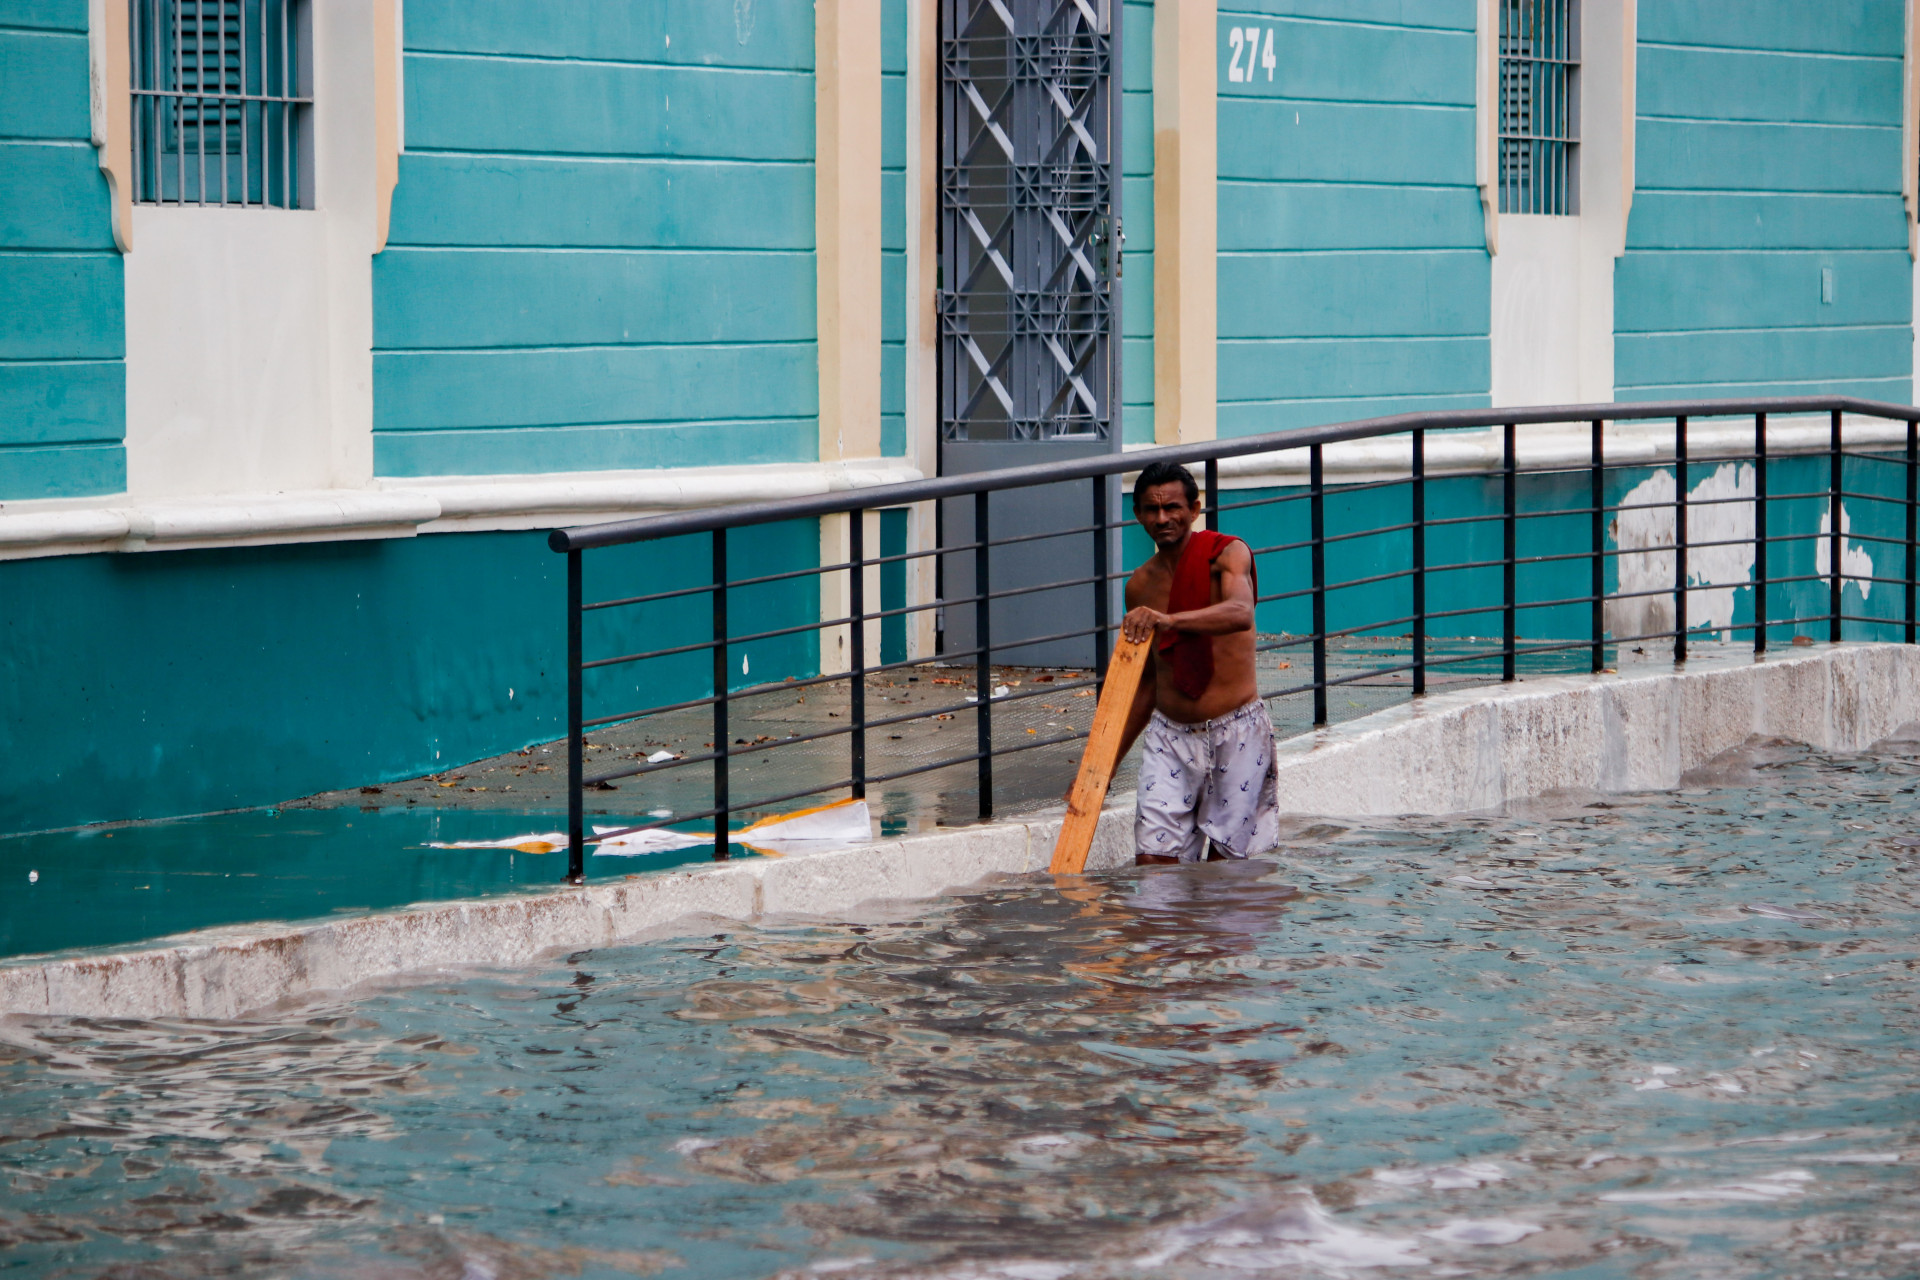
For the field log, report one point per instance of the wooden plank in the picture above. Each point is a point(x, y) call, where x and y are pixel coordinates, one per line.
point(1101, 757)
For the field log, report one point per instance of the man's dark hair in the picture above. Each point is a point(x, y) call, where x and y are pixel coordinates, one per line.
point(1158, 473)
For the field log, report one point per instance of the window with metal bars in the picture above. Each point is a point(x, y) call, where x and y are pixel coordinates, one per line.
point(1539, 106)
point(220, 102)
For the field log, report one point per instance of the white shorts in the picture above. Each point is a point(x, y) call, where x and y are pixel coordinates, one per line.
point(1214, 781)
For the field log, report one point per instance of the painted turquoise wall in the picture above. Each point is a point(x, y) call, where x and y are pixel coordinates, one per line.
point(1769, 152)
point(62, 306)
point(1136, 214)
point(165, 683)
point(1353, 273)
point(893, 228)
point(602, 239)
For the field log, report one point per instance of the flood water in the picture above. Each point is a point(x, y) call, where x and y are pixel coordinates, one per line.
point(1652, 1036)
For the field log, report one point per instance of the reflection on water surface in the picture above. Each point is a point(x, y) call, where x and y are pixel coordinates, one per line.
point(1636, 1036)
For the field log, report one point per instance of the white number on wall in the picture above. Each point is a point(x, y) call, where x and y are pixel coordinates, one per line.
point(1259, 54)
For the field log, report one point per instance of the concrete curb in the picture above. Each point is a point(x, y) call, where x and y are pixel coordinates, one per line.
point(1472, 749)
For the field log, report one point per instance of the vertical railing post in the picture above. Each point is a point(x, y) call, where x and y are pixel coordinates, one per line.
point(576, 744)
point(1317, 516)
point(1680, 539)
point(1834, 539)
point(1760, 570)
point(1102, 588)
point(1213, 494)
point(1418, 518)
point(983, 637)
point(1597, 540)
point(1509, 548)
point(720, 742)
point(857, 641)
point(1913, 499)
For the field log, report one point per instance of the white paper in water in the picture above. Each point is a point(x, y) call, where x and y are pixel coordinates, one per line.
point(844, 822)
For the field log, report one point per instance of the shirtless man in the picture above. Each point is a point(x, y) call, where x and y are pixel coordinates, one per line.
point(1208, 786)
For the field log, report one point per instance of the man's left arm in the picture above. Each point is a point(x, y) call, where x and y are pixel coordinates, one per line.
point(1234, 610)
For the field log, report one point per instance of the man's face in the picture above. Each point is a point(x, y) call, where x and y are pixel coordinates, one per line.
point(1166, 513)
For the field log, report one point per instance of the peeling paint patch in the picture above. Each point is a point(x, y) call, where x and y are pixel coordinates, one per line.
point(1855, 563)
point(1719, 511)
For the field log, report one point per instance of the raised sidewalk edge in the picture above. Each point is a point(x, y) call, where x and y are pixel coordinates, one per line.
point(1450, 752)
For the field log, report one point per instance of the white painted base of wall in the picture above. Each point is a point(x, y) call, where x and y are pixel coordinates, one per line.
point(402, 508)
point(1475, 749)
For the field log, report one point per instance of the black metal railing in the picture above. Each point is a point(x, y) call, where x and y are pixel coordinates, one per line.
point(1401, 552)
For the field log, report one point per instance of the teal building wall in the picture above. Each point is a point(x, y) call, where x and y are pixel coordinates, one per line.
point(601, 249)
point(1353, 273)
point(62, 305)
point(1766, 249)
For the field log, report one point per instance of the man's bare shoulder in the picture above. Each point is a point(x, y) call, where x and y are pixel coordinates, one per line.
point(1235, 557)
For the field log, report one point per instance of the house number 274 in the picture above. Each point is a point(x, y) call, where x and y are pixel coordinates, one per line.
point(1247, 40)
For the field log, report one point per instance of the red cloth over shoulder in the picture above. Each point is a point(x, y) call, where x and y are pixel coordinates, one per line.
point(1190, 655)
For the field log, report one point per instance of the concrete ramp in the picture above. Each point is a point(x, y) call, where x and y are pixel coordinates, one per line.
point(1476, 749)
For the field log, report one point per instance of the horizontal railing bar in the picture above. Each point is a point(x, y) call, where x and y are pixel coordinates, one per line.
point(1015, 749)
point(1884, 540)
point(1896, 500)
point(870, 616)
point(765, 690)
point(1297, 493)
point(835, 786)
point(836, 731)
point(1869, 577)
point(735, 583)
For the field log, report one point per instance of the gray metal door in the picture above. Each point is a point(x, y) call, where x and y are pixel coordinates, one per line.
point(1029, 308)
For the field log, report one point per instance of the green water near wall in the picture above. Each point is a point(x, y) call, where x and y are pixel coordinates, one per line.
point(96, 887)
point(167, 683)
point(1658, 1036)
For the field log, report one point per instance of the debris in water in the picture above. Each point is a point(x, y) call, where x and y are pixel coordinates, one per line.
point(1772, 1186)
point(1446, 1177)
point(1484, 1231)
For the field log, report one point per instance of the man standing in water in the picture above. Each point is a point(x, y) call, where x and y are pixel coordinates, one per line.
point(1208, 786)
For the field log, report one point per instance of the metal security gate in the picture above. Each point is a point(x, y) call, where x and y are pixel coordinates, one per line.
point(1029, 308)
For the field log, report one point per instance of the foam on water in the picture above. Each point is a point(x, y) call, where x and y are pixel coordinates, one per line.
point(1664, 1036)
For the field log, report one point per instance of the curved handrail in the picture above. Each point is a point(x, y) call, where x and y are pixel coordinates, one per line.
point(647, 528)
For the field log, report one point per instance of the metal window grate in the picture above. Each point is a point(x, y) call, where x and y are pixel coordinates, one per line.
point(219, 106)
point(1539, 106)
point(1027, 220)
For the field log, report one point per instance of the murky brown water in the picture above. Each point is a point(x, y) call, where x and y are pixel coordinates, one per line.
point(1663, 1036)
